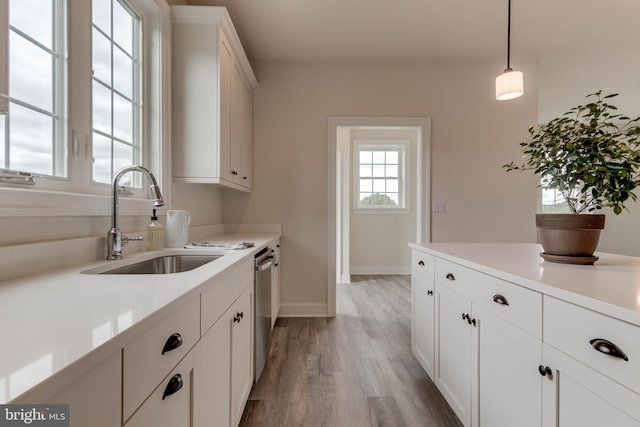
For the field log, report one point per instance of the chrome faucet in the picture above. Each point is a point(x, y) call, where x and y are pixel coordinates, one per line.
point(115, 239)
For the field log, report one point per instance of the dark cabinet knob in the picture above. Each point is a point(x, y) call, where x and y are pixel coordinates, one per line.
point(236, 319)
point(465, 316)
point(545, 371)
point(241, 314)
point(497, 298)
point(244, 177)
point(608, 348)
point(450, 276)
point(173, 342)
point(174, 384)
point(429, 292)
point(421, 263)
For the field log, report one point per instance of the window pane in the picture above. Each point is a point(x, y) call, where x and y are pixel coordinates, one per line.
point(365, 199)
point(392, 157)
point(378, 157)
point(101, 57)
point(378, 185)
point(392, 171)
point(366, 157)
point(378, 170)
point(31, 73)
point(34, 18)
point(101, 158)
point(31, 136)
point(365, 170)
point(122, 118)
point(102, 15)
point(122, 27)
point(122, 73)
point(394, 198)
point(123, 156)
point(366, 185)
point(101, 108)
point(392, 185)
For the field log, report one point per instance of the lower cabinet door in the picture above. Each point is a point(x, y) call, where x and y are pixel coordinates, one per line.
point(241, 353)
point(453, 354)
point(506, 382)
point(576, 395)
point(423, 321)
point(171, 403)
point(212, 405)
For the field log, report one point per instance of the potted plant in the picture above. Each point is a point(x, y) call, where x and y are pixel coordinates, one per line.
point(591, 156)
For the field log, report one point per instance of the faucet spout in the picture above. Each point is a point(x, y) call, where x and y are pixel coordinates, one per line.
point(115, 239)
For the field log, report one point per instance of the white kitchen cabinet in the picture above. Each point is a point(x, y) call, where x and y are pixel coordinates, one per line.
point(171, 403)
point(226, 373)
point(453, 351)
point(506, 385)
point(95, 398)
point(213, 385)
point(275, 286)
point(423, 313)
point(576, 395)
point(241, 353)
point(212, 84)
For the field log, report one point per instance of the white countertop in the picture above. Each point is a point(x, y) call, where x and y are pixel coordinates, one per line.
point(610, 286)
point(53, 320)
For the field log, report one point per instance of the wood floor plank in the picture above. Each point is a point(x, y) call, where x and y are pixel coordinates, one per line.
point(354, 370)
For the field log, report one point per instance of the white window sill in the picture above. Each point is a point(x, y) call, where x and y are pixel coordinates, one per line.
point(18, 202)
point(381, 211)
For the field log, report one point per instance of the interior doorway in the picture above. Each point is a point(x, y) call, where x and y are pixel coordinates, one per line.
point(378, 183)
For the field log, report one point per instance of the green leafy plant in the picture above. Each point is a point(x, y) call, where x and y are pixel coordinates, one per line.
point(377, 199)
point(590, 154)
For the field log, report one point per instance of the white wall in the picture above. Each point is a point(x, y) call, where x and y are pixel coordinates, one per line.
point(472, 136)
point(378, 242)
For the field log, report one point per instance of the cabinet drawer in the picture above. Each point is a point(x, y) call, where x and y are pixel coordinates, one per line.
point(145, 365)
point(222, 291)
point(519, 306)
point(456, 277)
point(422, 263)
point(571, 329)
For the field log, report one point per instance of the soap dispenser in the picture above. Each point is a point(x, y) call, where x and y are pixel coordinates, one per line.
point(155, 234)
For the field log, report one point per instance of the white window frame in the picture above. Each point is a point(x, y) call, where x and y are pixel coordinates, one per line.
point(79, 196)
point(404, 174)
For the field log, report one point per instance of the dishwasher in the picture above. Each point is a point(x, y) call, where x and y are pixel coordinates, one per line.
point(264, 260)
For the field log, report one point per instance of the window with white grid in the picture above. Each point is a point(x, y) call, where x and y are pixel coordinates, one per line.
point(380, 175)
point(116, 90)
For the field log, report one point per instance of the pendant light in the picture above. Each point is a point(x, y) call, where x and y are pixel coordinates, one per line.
point(509, 84)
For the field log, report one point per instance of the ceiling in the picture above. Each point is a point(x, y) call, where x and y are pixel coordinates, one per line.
point(578, 46)
point(429, 30)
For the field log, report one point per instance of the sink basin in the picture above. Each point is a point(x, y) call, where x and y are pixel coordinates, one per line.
point(166, 264)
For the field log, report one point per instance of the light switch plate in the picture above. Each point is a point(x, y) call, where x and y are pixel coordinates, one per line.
point(438, 206)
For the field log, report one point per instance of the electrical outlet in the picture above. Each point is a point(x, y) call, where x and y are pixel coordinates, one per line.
point(438, 206)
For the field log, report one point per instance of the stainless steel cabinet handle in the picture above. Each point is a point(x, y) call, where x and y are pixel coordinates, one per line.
point(608, 348)
point(497, 298)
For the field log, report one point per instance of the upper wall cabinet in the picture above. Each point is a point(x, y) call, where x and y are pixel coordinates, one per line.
point(212, 85)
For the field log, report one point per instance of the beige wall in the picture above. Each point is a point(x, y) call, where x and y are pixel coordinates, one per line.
point(472, 136)
point(378, 242)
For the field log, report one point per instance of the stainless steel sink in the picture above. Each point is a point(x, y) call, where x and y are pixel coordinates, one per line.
point(166, 264)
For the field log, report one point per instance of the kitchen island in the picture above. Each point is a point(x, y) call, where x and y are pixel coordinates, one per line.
point(511, 339)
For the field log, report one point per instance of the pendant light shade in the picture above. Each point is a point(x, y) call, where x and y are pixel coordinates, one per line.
point(510, 84)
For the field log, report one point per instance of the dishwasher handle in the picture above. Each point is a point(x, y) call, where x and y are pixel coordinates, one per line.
point(266, 264)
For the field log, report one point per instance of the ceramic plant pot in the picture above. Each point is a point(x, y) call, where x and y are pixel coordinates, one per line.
point(569, 238)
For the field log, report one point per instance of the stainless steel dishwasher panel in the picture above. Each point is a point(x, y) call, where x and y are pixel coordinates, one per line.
point(262, 304)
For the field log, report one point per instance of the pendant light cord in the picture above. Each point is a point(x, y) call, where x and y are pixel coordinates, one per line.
point(509, 37)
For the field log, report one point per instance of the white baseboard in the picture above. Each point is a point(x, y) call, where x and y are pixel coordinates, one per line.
point(303, 310)
point(379, 269)
point(345, 278)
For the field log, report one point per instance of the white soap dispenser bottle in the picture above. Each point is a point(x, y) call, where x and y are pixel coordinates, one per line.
point(155, 234)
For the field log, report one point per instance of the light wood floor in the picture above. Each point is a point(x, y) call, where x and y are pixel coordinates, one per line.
point(355, 370)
